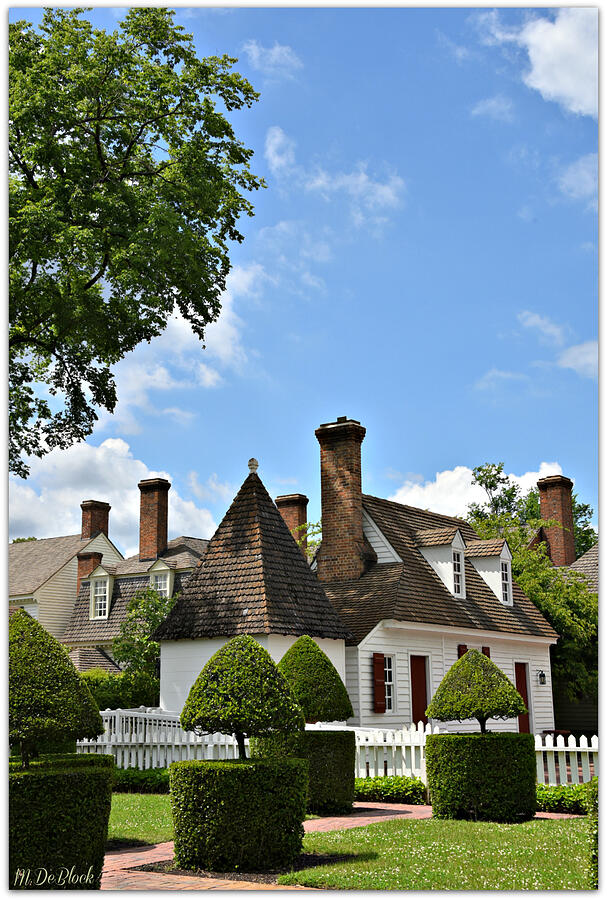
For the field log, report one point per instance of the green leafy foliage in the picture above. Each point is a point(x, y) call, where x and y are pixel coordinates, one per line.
point(238, 815)
point(122, 691)
point(141, 781)
point(22, 540)
point(331, 756)
point(133, 647)
point(592, 810)
point(241, 692)
point(561, 595)
point(58, 819)
point(48, 700)
point(310, 534)
point(120, 155)
point(490, 777)
point(315, 682)
point(68, 761)
point(566, 798)
point(390, 789)
point(474, 688)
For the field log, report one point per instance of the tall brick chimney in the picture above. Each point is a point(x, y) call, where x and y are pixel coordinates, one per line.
point(153, 517)
point(88, 560)
point(340, 557)
point(95, 518)
point(294, 510)
point(555, 503)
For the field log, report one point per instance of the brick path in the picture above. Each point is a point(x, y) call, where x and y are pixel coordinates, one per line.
point(118, 873)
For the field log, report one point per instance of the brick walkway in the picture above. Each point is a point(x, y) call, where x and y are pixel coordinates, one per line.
point(118, 873)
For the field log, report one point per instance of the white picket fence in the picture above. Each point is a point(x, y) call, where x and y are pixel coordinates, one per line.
point(151, 738)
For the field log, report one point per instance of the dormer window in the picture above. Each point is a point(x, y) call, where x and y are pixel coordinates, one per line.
point(458, 575)
point(160, 583)
point(100, 598)
point(506, 583)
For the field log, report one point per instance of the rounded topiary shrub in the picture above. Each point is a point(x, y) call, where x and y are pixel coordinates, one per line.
point(488, 777)
point(331, 756)
point(315, 682)
point(58, 820)
point(241, 815)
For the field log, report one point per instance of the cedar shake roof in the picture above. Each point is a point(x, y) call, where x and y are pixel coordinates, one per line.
point(435, 537)
point(97, 631)
point(31, 563)
point(588, 565)
point(181, 553)
point(253, 579)
point(411, 591)
point(85, 658)
point(492, 547)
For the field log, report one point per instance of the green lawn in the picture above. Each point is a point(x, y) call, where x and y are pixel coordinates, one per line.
point(425, 854)
point(436, 854)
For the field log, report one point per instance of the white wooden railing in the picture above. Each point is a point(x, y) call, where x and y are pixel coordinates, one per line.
point(152, 738)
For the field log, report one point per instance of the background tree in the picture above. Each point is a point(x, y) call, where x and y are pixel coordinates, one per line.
point(561, 595)
point(125, 186)
point(134, 648)
point(241, 692)
point(23, 540)
point(311, 533)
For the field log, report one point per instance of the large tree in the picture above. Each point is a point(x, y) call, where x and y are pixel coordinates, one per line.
point(126, 181)
point(133, 647)
point(563, 596)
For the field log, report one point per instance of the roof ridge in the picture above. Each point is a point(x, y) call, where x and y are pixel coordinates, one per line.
point(417, 509)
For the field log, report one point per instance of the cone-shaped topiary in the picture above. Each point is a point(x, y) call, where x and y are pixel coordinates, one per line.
point(241, 692)
point(315, 682)
point(474, 688)
point(48, 700)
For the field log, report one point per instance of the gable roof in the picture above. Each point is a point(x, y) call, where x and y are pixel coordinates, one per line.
point(32, 563)
point(181, 553)
point(588, 565)
point(253, 579)
point(411, 591)
point(490, 547)
point(85, 658)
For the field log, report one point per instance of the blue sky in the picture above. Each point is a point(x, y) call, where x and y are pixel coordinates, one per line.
point(424, 259)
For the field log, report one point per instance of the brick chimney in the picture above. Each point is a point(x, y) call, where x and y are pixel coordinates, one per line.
point(341, 555)
point(153, 517)
point(555, 503)
point(88, 560)
point(294, 510)
point(95, 518)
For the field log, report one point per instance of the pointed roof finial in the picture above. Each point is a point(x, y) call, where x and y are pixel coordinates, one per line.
point(253, 464)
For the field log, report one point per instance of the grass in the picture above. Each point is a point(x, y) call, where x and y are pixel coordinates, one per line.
point(437, 854)
point(141, 818)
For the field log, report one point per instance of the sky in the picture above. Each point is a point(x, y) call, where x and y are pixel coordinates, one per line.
point(423, 259)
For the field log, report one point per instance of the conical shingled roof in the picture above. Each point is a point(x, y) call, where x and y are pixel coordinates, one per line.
point(253, 579)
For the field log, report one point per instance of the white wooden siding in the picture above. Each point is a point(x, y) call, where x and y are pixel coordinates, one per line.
point(385, 552)
point(352, 682)
point(441, 650)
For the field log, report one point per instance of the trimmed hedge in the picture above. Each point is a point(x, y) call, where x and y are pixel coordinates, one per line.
point(240, 815)
point(58, 820)
point(390, 789)
point(315, 682)
point(487, 777)
point(124, 691)
point(332, 757)
point(567, 798)
point(592, 809)
point(141, 781)
point(67, 761)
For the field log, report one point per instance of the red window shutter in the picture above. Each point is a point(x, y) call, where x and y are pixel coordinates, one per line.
point(487, 651)
point(379, 687)
point(461, 649)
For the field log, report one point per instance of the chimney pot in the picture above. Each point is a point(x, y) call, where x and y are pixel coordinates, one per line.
point(153, 517)
point(95, 518)
point(556, 503)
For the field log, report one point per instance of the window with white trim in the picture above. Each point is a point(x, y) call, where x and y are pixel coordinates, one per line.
point(389, 682)
point(506, 584)
point(458, 575)
point(160, 583)
point(100, 598)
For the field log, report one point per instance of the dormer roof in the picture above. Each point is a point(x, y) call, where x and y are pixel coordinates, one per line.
point(491, 547)
point(435, 537)
point(253, 579)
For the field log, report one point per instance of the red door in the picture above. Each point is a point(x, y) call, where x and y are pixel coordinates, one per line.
point(520, 675)
point(419, 693)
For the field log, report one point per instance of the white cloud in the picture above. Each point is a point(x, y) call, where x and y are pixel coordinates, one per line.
point(582, 358)
point(212, 489)
point(275, 62)
point(580, 180)
point(562, 53)
point(48, 504)
point(279, 150)
point(549, 331)
point(452, 491)
point(495, 378)
point(499, 108)
point(458, 51)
